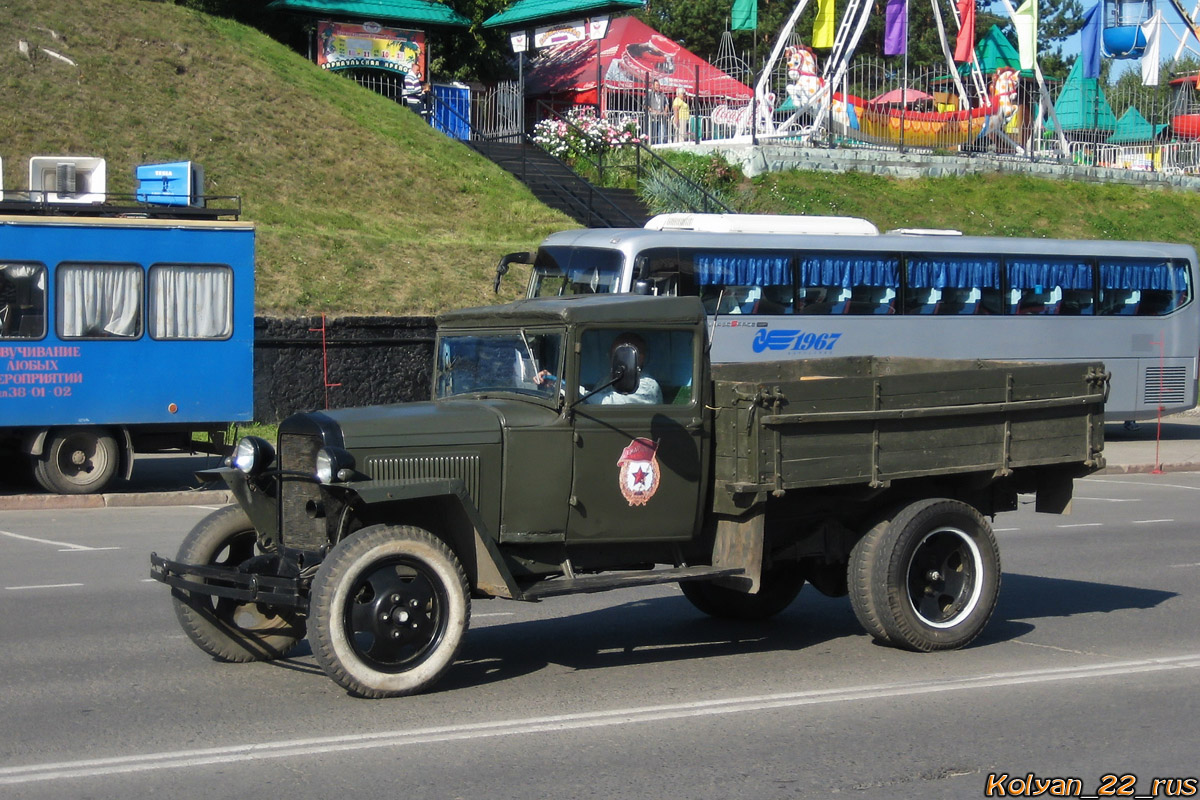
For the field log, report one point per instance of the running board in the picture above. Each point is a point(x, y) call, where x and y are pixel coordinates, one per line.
point(621, 580)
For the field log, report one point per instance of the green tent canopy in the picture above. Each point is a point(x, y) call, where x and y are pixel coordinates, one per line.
point(411, 12)
point(1081, 105)
point(1133, 128)
point(528, 12)
point(994, 51)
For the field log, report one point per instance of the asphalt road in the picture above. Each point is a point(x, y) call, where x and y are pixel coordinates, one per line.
point(1091, 666)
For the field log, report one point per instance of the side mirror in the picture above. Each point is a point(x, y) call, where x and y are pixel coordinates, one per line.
point(625, 371)
point(512, 258)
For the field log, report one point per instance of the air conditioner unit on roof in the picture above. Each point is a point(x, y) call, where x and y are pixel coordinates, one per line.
point(68, 179)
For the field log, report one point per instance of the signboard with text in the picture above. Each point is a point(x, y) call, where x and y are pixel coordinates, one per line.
point(344, 45)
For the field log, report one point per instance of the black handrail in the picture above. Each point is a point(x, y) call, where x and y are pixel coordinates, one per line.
point(710, 203)
point(586, 208)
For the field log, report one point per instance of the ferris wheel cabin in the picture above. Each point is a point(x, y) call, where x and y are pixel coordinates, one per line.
point(1123, 36)
point(1185, 107)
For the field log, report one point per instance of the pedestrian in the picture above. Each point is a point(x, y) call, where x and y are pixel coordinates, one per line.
point(680, 115)
point(656, 110)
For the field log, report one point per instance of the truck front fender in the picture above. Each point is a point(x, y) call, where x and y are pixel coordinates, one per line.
point(447, 510)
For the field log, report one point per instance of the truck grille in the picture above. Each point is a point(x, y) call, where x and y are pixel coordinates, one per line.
point(1165, 385)
point(417, 468)
point(298, 453)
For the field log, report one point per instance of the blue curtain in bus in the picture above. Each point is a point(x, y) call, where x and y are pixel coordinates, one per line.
point(1148, 275)
point(742, 270)
point(1048, 274)
point(848, 271)
point(953, 273)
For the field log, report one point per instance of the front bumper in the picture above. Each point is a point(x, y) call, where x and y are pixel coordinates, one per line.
point(269, 590)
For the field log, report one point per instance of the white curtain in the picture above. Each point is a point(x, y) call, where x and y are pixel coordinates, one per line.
point(191, 302)
point(100, 300)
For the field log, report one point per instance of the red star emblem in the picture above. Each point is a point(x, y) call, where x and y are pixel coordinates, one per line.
point(640, 476)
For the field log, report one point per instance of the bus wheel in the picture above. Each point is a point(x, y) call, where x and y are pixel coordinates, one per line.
point(932, 576)
point(77, 461)
point(778, 589)
point(227, 629)
point(388, 611)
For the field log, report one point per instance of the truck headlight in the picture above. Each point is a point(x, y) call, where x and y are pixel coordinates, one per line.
point(253, 455)
point(334, 464)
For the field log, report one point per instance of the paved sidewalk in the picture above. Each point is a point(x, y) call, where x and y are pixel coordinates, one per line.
point(167, 480)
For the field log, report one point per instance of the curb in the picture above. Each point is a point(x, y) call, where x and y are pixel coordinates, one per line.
point(1137, 469)
point(44, 502)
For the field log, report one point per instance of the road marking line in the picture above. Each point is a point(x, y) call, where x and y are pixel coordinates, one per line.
point(44, 586)
point(1082, 525)
point(494, 614)
point(1150, 521)
point(1110, 499)
point(67, 546)
point(1186, 565)
point(1141, 483)
point(297, 748)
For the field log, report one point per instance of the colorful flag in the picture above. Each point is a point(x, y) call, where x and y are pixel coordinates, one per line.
point(745, 15)
point(1026, 23)
point(1152, 30)
point(964, 47)
point(1090, 47)
point(823, 27)
point(895, 28)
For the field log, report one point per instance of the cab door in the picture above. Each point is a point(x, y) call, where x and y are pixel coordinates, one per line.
point(639, 459)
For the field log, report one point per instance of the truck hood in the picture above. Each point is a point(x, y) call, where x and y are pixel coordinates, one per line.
point(444, 423)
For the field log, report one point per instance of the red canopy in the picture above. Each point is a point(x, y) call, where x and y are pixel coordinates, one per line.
point(632, 56)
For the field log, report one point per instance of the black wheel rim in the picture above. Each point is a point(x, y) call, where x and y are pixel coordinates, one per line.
point(395, 614)
point(944, 577)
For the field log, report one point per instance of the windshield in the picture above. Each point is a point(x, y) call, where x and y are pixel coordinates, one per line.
point(559, 271)
point(524, 361)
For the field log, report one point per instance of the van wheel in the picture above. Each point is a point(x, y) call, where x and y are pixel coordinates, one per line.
point(78, 461)
point(776, 592)
point(232, 630)
point(388, 611)
point(929, 579)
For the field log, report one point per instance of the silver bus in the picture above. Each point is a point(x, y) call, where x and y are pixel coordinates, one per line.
point(844, 290)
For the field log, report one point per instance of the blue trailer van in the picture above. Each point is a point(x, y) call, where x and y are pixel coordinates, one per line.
point(121, 332)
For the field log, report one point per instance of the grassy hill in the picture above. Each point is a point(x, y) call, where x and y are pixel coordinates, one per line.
point(360, 206)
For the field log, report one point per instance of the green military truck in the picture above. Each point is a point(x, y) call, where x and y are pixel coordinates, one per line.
point(587, 443)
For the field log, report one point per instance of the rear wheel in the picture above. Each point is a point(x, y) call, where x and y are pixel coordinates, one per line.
point(232, 630)
point(77, 461)
point(929, 579)
point(778, 588)
point(388, 611)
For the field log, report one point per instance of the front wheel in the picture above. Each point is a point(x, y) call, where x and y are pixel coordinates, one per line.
point(931, 577)
point(388, 611)
point(78, 461)
point(232, 630)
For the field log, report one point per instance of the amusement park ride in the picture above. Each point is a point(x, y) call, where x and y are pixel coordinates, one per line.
point(818, 104)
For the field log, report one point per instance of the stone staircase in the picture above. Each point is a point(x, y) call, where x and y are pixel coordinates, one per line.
point(558, 186)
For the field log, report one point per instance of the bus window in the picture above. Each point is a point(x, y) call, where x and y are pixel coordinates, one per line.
point(22, 301)
point(1142, 287)
point(191, 301)
point(744, 283)
point(1039, 285)
point(99, 301)
point(667, 270)
point(951, 285)
point(847, 284)
point(559, 271)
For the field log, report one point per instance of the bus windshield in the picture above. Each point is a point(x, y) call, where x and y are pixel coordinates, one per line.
point(559, 271)
point(526, 362)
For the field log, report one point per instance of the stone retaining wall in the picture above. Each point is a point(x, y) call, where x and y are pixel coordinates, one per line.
point(368, 360)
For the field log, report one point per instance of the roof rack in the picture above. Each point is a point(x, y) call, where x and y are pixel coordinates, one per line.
point(37, 203)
